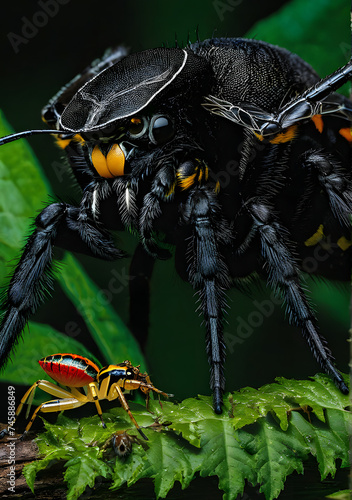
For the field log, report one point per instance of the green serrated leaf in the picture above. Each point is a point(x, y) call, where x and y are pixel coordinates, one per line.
point(250, 404)
point(186, 416)
point(286, 395)
point(223, 455)
point(166, 463)
point(323, 443)
point(31, 470)
point(165, 460)
point(277, 454)
point(130, 470)
point(318, 393)
point(91, 430)
point(340, 422)
point(82, 471)
point(62, 433)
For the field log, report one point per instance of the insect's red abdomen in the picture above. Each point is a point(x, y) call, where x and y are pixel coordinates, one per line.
point(70, 369)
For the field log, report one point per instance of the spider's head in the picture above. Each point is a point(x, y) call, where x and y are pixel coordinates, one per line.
point(131, 110)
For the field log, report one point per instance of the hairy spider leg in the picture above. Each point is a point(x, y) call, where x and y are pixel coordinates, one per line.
point(284, 277)
point(162, 191)
point(208, 274)
point(335, 184)
point(33, 275)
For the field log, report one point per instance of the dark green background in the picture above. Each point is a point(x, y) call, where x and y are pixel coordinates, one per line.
point(79, 33)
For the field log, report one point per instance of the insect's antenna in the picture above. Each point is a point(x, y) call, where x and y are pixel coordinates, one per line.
point(26, 133)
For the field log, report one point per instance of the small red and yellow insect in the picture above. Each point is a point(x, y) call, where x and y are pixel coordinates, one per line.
point(78, 373)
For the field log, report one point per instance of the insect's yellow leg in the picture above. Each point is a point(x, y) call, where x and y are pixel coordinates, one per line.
point(28, 395)
point(52, 406)
point(127, 408)
point(30, 401)
point(60, 405)
point(93, 395)
point(45, 386)
point(79, 395)
point(130, 385)
point(48, 387)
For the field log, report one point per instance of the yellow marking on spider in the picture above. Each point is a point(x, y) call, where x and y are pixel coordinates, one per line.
point(258, 136)
point(317, 236)
point(318, 122)
point(171, 190)
point(286, 136)
point(187, 182)
point(344, 243)
point(63, 143)
point(346, 133)
point(203, 173)
point(217, 187)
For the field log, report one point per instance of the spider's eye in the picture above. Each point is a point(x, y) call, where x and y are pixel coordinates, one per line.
point(161, 129)
point(137, 127)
